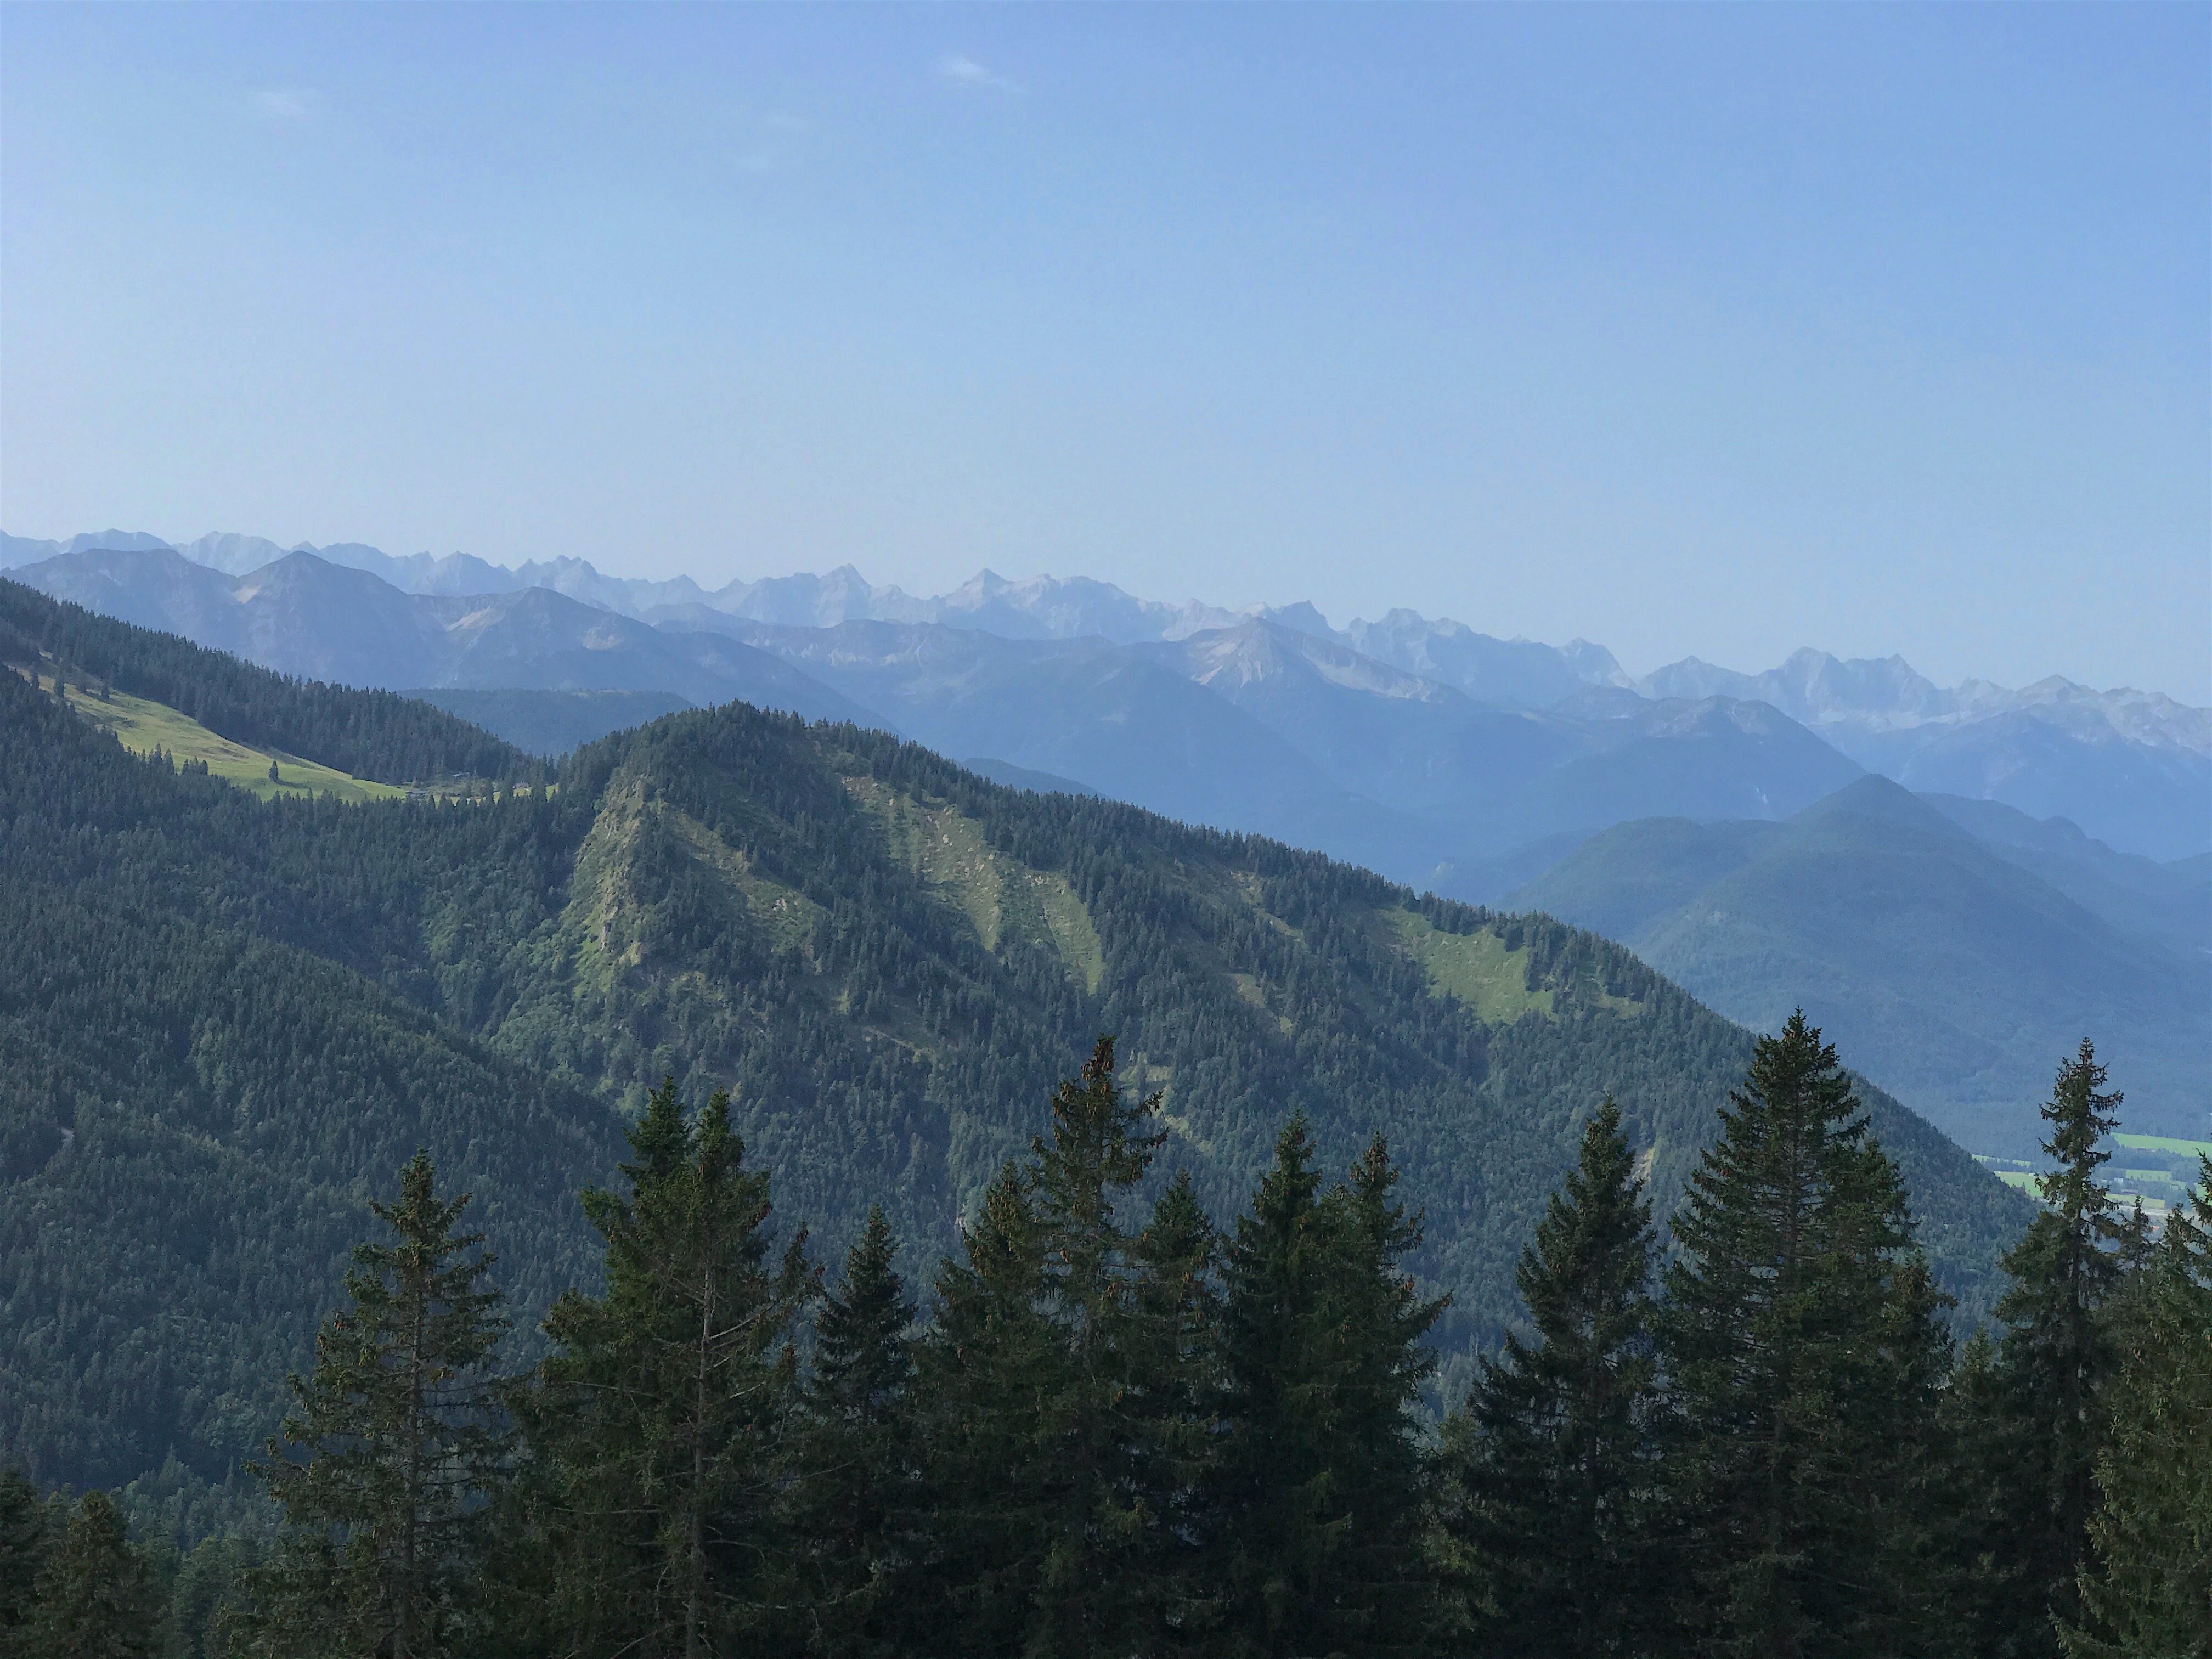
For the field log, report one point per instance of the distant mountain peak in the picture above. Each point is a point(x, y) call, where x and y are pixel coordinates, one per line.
point(1875, 710)
point(1305, 618)
point(1859, 701)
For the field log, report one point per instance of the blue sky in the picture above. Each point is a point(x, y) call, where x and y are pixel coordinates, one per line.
point(1711, 331)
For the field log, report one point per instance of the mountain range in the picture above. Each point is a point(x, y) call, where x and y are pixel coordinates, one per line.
point(2133, 769)
point(1455, 762)
point(2128, 766)
point(226, 1020)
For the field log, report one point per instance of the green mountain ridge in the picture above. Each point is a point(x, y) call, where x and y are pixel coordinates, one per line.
point(226, 1021)
point(1930, 958)
point(2170, 903)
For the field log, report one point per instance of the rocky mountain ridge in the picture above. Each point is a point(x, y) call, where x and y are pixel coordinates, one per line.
point(2132, 767)
point(1855, 700)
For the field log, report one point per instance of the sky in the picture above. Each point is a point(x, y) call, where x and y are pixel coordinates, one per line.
point(1710, 331)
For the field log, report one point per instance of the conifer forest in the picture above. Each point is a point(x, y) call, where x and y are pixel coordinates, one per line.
point(1105, 831)
point(1109, 1427)
point(659, 1205)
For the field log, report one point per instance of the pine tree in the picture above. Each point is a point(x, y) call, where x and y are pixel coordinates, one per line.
point(397, 1425)
point(2148, 1593)
point(94, 1598)
point(24, 1526)
point(1320, 1492)
point(1802, 1340)
point(990, 1361)
point(1560, 1476)
point(853, 1497)
point(659, 1421)
point(2039, 1455)
point(1175, 1366)
point(1040, 1355)
point(1090, 1597)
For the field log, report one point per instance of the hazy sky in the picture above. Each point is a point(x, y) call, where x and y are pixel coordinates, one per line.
point(1714, 331)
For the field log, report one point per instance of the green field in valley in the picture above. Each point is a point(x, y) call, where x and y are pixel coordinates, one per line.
point(2165, 1144)
point(2130, 1181)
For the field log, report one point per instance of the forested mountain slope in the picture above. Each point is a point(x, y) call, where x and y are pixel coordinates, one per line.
point(201, 1084)
point(1936, 964)
point(370, 734)
point(227, 1021)
point(2170, 903)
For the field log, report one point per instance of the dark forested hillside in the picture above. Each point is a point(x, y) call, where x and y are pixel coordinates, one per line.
point(225, 1019)
point(371, 734)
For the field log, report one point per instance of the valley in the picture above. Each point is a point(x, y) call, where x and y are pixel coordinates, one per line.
point(1198, 832)
point(242, 1015)
point(1944, 965)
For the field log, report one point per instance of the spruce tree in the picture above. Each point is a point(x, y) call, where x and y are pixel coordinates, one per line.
point(854, 1497)
point(1273, 1482)
point(208, 1596)
point(1976, 1541)
point(1802, 1344)
point(1385, 1581)
point(1056, 1427)
point(397, 1425)
point(658, 1425)
point(1175, 1364)
point(2148, 1593)
point(989, 1362)
point(24, 1526)
point(1321, 1493)
point(1560, 1475)
point(94, 1597)
point(1090, 1599)
point(2039, 1455)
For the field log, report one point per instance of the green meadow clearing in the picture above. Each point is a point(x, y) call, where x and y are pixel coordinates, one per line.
point(143, 728)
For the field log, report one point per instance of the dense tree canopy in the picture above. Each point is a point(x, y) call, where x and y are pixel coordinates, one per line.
point(1117, 1429)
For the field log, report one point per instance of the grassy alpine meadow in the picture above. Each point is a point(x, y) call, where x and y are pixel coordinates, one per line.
point(143, 727)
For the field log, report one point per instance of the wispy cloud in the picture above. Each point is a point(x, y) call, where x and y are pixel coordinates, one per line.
point(964, 71)
point(286, 103)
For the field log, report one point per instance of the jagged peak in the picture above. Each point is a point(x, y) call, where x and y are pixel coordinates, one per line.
point(1810, 684)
